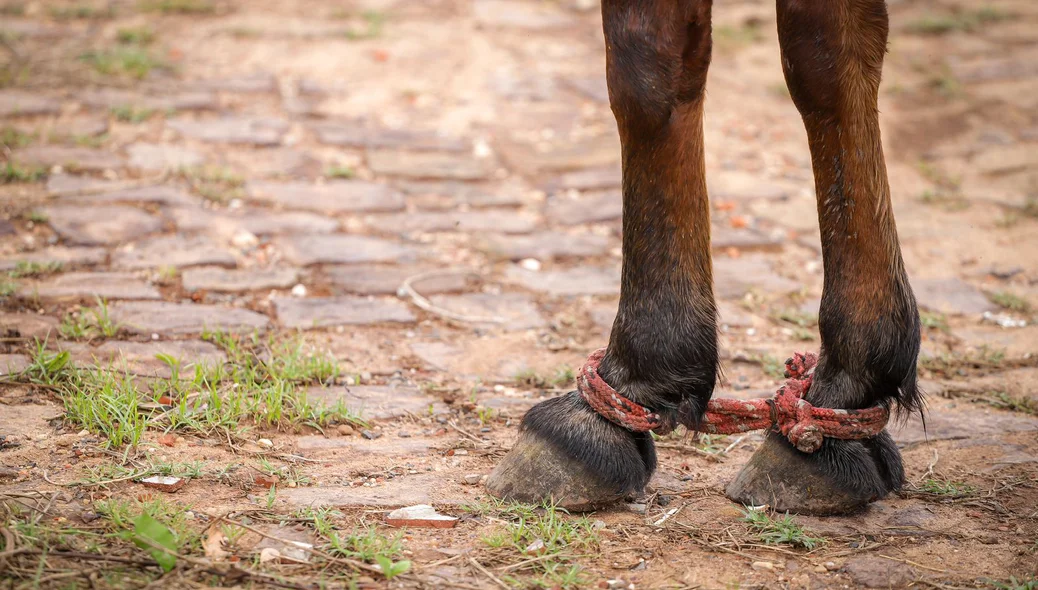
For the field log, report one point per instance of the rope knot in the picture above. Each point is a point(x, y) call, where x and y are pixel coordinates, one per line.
point(804, 425)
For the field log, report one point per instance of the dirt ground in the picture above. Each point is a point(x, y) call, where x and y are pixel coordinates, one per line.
point(177, 171)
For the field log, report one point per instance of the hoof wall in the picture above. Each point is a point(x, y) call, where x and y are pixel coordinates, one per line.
point(534, 471)
point(790, 481)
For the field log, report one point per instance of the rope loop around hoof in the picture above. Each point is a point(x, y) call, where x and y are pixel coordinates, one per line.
point(804, 425)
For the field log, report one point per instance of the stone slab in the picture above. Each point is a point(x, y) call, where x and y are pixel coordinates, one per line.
point(320, 312)
point(543, 246)
point(386, 280)
point(336, 196)
point(100, 224)
point(66, 257)
point(517, 311)
point(951, 296)
point(424, 164)
point(87, 285)
point(168, 318)
point(172, 251)
point(70, 158)
point(341, 249)
point(214, 278)
point(241, 130)
point(461, 221)
point(581, 280)
point(380, 402)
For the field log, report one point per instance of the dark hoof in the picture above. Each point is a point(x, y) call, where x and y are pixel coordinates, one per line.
point(842, 477)
point(569, 455)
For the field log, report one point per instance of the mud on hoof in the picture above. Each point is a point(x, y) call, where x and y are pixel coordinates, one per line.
point(568, 454)
point(842, 477)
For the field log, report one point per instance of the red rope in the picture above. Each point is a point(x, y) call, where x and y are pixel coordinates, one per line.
point(788, 412)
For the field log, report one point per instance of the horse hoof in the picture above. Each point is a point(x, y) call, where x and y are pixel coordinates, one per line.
point(840, 478)
point(569, 455)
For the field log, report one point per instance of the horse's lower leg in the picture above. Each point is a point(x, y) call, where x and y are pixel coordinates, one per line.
point(663, 348)
point(832, 54)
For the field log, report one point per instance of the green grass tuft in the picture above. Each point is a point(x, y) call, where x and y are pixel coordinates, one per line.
point(780, 530)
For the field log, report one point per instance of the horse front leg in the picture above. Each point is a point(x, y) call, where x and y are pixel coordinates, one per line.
point(832, 55)
point(662, 352)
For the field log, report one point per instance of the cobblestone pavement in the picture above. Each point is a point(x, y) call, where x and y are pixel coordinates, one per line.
point(189, 167)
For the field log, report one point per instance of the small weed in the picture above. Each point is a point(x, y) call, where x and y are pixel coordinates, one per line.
point(12, 173)
point(373, 23)
point(46, 367)
point(933, 320)
point(486, 415)
point(37, 216)
point(12, 9)
point(1027, 583)
point(729, 38)
point(780, 530)
point(531, 378)
point(132, 114)
point(983, 359)
point(945, 487)
point(25, 268)
point(965, 21)
point(772, 366)
point(1003, 401)
point(1030, 208)
point(938, 176)
point(135, 36)
point(216, 184)
point(81, 11)
point(549, 525)
point(564, 376)
point(365, 544)
point(15, 138)
point(796, 317)
point(7, 287)
point(89, 323)
point(122, 61)
point(949, 201)
point(945, 83)
point(92, 141)
point(178, 6)
point(339, 172)
point(1007, 300)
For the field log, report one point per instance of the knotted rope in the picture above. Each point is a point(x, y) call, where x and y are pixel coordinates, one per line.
point(788, 412)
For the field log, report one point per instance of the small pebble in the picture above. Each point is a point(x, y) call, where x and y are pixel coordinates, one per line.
point(763, 566)
point(370, 435)
point(404, 434)
point(472, 478)
point(265, 442)
point(299, 291)
point(831, 566)
point(345, 430)
point(821, 569)
point(530, 264)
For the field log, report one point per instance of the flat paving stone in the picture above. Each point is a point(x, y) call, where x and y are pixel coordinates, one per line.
point(162, 156)
point(581, 280)
point(111, 98)
point(951, 296)
point(215, 278)
point(60, 185)
point(60, 255)
point(163, 195)
point(472, 194)
point(274, 162)
point(543, 246)
point(140, 358)
point(460, 221)
point(358, 134)
point(172, 251)
point(602, 177)
point(337, 196)
point(993, 69)
point(517, 311)
point(164, 317)
point(16, 103)
point(593, 208)
point(425, 164)
point(593, 88)
point(341, 249)
point(736, 185)
point(874, 572)
point(384, 447)
point(379, 402)
point(521, 15)
point(400, 491)
point(30, 326)
point(100, 224)
point(536, 160)
point(256, 221)
point(734, 277)
point(70, 158)
point(948, 421)
point(257, 82)
point(746, 239)
point(321, 312)
point(385, 280)
point(13, 363)
point(232, 130)
point(108, 285)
